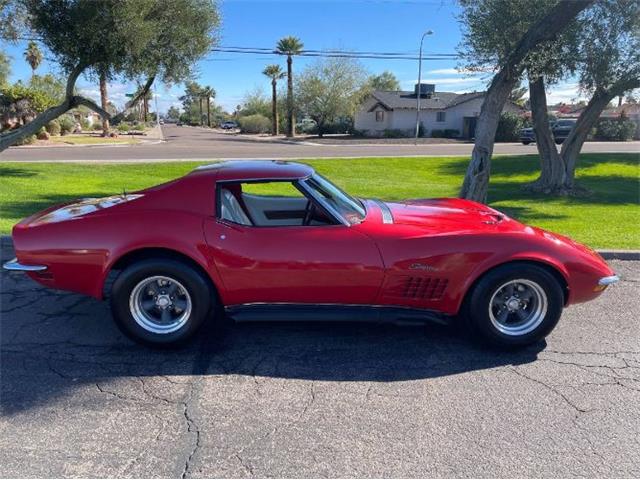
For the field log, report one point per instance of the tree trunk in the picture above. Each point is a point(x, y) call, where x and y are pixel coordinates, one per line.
point(200, 123)
point(274, 108)
point(572, 146)
point(209, 111)
point(104, 101)
point(291, 125)
point(552, 169)
point(476, 180)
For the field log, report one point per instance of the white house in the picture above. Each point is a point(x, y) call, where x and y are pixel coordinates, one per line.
point(440, 111)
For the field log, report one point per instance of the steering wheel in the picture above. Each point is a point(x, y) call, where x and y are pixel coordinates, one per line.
point(308, 213)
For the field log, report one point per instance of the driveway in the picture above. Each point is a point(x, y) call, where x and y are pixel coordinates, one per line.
point(342, 400)
point(192, 143)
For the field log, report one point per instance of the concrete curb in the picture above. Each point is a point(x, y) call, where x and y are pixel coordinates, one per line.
point(630, 255)
point(620, 254)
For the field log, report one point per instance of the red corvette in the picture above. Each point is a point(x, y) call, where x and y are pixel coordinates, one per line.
point(211, 242)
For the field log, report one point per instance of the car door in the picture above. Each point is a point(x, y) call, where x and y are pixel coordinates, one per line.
point(332, 264)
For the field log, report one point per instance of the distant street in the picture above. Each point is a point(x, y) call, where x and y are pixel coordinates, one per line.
point(189, 143)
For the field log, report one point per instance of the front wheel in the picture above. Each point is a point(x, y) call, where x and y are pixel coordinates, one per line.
point(515, 305)
point(161, 302)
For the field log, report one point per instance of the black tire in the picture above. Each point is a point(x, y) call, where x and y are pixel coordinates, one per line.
point(199, 295)
point(526, 143)
point(559, 141)
point(484, 319)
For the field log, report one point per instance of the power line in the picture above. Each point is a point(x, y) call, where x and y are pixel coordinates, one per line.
point(339, 53)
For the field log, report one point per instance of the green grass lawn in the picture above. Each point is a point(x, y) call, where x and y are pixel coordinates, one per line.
point(608, 218)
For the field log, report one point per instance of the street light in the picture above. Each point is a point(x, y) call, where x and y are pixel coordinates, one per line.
point(418, 89)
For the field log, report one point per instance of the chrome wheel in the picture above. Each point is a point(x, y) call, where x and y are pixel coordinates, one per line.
point(518, 307)
point(160, 304)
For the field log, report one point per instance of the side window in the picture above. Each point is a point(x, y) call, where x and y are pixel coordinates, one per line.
point(266, 204)
point(379, 116)
point(441, 116)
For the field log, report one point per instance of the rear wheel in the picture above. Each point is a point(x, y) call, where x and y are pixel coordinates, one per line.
point(515, 305)
point(526, 142)
point(161, 302)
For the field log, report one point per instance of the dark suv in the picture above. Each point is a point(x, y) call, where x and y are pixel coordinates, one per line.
point(559, 128)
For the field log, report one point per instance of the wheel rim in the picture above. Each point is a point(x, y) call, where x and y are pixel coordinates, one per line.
point(160, 304)
point(518, 307)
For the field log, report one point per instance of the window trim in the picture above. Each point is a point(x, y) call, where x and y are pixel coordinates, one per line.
point(444, 116)
point(381, 112)
point(297, 183)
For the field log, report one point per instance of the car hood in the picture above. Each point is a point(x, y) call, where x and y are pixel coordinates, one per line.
point(448, 214)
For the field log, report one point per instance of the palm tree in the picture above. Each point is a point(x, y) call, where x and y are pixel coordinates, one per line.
point(275, 73)
point(208, 93)
point(33, 56)
point(289, 46)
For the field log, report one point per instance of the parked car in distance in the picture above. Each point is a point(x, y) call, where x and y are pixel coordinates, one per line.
point(272, 240)
point(229, 125)
point(179, 123)
point(560, 130)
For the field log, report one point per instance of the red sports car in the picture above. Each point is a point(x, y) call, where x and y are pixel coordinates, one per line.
point(185, 252)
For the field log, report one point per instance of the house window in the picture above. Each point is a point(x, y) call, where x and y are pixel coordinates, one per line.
point(379, 116)
point(441, 116)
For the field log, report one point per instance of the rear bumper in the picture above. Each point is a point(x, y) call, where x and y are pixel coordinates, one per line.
point(15, 266)
point(606, 281)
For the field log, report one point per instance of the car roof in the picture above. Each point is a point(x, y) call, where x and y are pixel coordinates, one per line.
point(255, 170)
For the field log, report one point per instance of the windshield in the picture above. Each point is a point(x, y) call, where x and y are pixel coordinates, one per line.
point(565, 123)
point(346, 206)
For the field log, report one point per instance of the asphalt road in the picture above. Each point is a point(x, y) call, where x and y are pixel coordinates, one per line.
point(183, 143)
point(282, 400)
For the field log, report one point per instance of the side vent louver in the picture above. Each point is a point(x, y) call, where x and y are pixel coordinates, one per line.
point(427, 288)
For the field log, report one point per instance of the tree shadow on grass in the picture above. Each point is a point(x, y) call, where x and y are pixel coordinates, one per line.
point(16, 172)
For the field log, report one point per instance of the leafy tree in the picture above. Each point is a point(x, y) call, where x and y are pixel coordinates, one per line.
point(132, 39)
point(384, 81)
point(330, 89)
point(5, 69)
point(517, 95)
point(33, 56)
point(609, 66)
point(275, 73)
point(509, 58)
point(290, 46)
point(49, 84)
point(192, 102)
point(255, 102)
point(173, 112)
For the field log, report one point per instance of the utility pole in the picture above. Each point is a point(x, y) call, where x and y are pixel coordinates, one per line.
point(418, 88)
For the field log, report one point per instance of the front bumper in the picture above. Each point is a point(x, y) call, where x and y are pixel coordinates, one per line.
point(15, 266)
point(606, 281)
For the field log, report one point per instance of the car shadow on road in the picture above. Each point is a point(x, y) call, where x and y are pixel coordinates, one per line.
point(54, 343)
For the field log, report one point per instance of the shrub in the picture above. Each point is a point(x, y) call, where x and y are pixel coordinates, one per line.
point(618, 130)
point(437, 133)
point(28, 140)
point(67, 124)
point(53, 127)
point(393, 133)
point(509, 127)
point(85, 124)
point(255, 124)
point(123, 127)
point(42, 134)
point(451, 133)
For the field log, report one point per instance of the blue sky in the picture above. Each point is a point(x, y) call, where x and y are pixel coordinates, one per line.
point(373, 25)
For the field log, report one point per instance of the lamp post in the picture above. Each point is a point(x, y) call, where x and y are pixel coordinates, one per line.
point(418, 89)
